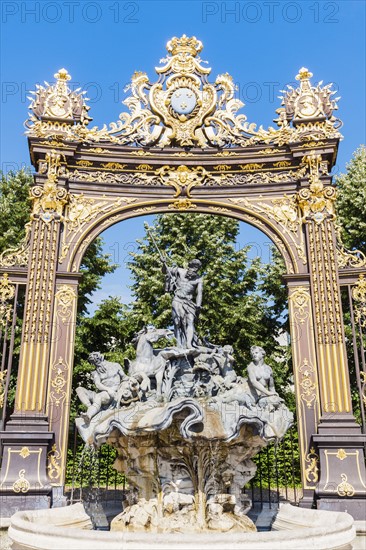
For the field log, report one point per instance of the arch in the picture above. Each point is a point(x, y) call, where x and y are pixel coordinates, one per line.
point(277, 180)
point(272, 230)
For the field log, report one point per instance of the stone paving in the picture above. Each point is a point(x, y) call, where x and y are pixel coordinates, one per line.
point(4, 540)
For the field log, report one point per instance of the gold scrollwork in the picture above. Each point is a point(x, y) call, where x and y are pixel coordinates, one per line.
point(141, 153)
point(50, 199)
point(359, 296)
point(345, 489)
point(285, 212)
point(144, 209)
point(81, 210)
point(113, 166)
point(84, 163)
point(144, 167)
point(17, 255)
point(347, 258)
point(268, 151)
point(341, 454)
point(300, 299)
point(257, 177)
point(7, 289)
point(59, 382)
point(183, 176)
point(24, 452)
point(54, 458)
point(102, 176)
point(53, 143)
point(220, 209)
point(310, 144)
point(2, 387)
point(182, 204)
point(222, 167)
point(183, 108)
point(312, 470)
point(307, 383)
point(251, 167)
point(99, 150)
point(226, 153)
point(316, 201)
point(21, 485)
point(182, 179)
point(65, 296)
point(7, 293)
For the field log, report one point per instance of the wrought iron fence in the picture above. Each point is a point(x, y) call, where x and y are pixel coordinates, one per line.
point(11, 316)
point(278, 476)
point(354, 313)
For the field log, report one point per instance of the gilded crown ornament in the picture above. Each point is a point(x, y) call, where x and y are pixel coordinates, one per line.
point(307, 101)
point(183, 109)
point(55, 107)
point(191, 46)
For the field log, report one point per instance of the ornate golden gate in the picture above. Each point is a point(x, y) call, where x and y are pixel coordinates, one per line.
point(182, 147)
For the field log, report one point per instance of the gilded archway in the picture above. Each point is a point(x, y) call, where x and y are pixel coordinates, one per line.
point(182, 146)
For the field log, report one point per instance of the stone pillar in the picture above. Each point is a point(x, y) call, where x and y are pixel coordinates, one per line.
point(306, 382)
point(339, 439)
point(27, 440)
point(60, 377)
point(32, 386)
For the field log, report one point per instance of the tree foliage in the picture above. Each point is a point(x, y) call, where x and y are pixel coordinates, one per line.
point(235, 309)
point(15, 210)
point(351, 201)
point(351, 212)
point(15, 207)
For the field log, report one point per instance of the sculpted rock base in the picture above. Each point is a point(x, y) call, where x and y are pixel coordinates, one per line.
point(186, 485)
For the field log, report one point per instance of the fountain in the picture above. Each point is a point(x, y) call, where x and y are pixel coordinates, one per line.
point(185, 427)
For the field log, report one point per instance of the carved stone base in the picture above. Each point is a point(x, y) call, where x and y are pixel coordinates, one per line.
point(179, 485)
point(24, 484)
point(342, 482)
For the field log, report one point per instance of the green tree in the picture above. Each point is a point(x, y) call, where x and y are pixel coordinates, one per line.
point(15, 209)
point(108, 331)
point(244, 301)
point(351, 214)
point(234, 310)
point(351, 201)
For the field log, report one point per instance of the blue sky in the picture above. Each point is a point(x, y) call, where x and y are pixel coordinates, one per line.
point(101, 43)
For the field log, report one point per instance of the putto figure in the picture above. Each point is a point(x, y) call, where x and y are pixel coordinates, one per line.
point(187, 286)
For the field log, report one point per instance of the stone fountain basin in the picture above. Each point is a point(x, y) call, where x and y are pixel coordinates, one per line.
point(69, 528)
